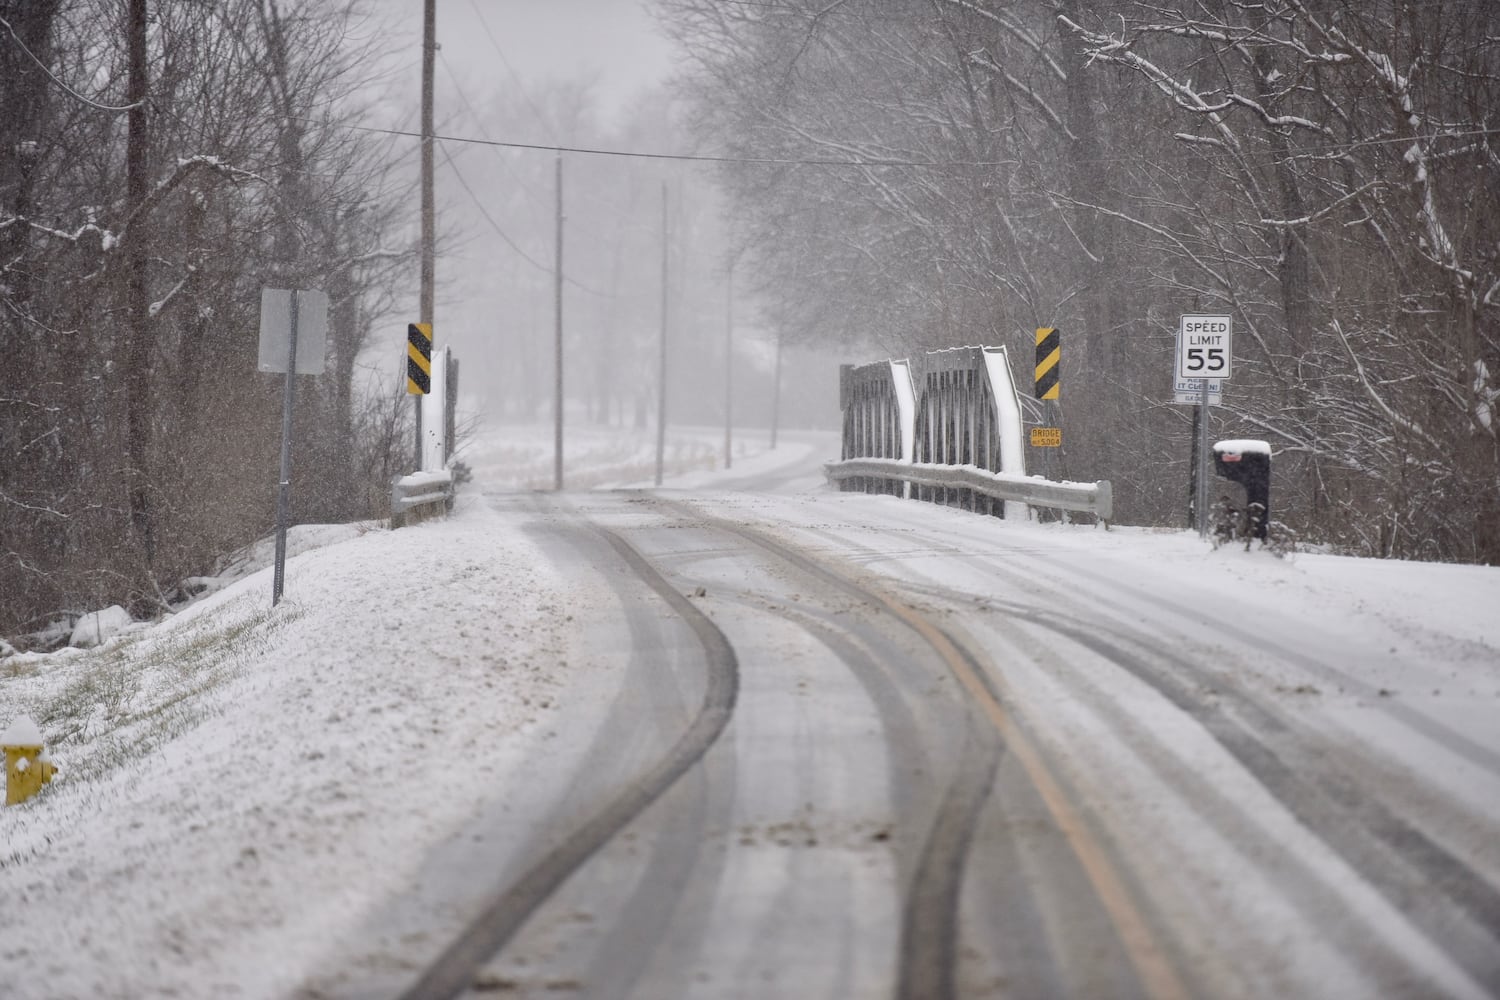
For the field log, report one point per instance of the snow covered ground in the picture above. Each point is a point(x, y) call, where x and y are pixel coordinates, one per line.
point(241, 785)
point(239, 781)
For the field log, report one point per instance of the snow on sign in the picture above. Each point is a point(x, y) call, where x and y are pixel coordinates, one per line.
point(1203, 349)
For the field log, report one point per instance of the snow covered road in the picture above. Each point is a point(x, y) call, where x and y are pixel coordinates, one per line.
point(947, 755)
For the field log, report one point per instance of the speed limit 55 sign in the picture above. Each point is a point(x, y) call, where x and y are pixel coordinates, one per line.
point(1203, 346)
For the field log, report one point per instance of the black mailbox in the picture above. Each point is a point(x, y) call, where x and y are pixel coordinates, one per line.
point(1249, 464)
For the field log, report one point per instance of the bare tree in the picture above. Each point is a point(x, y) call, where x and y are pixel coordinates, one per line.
point(138, 232)
point(952, 170)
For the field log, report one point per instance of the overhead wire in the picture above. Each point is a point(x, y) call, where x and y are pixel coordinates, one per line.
point(474, 114)
point(682, 157)
point(55, 79)
point(864, 13)
point(479, 204)
point(856, 162)
point(511, 72)
point(458, 174)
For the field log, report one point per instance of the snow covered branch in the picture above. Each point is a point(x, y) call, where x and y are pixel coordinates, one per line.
point(31, 507)
point(1328, 209)
point(185, 169)
point(1396, 419)
point(156, 307)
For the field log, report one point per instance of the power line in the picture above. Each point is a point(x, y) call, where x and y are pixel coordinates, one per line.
point(505, 236)
point(474, 114)
point(541, 119)
point(54, 78)
point(873, 162)
point(684, 157)
point(865, 14)
point(510, 170)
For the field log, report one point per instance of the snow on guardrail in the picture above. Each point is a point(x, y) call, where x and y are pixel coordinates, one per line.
point(419, 496)
point(1093, 498)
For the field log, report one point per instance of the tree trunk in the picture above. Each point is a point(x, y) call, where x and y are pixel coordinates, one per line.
point(137, 309)
point(23, 86)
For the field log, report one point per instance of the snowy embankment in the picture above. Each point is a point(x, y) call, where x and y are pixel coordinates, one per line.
point(230, 774)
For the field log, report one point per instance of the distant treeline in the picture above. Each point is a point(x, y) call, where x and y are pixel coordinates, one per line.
point(932, 173)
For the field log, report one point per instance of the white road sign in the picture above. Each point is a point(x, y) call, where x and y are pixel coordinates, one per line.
point(1203, 348)
point(276, 330)
point(1190, 391)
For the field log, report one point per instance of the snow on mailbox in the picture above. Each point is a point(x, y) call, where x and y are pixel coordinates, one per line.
point(1248, 462)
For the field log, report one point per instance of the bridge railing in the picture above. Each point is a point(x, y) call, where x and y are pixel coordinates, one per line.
point(946, 427)
point(1092, 498)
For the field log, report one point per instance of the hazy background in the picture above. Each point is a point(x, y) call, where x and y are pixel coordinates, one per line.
point(586, 74)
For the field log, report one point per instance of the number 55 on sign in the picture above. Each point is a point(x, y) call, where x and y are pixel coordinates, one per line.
point(1203, 348)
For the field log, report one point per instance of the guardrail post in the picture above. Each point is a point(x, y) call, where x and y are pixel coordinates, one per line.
point(420, 496)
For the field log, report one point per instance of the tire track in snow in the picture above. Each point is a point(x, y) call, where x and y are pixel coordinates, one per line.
point(930, 932)
point(1361, 829)
point(1448, 901)
point(1398, 859)
point(453, 971)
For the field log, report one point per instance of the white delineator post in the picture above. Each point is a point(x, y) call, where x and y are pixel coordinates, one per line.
point(434, 409)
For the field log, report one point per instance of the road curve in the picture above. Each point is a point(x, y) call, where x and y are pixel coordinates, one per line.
point(830, 839)
point(958, 760)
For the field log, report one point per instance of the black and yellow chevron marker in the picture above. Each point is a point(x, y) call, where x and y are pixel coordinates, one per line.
point(418, 359)
point(1048, 353)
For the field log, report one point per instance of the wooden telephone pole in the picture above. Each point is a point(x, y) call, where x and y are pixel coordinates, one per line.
point(661, 370)
point(557, 340)
point(429, 211)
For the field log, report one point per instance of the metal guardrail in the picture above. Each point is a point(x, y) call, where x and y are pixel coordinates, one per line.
point(1093, 498)
point(420, 496)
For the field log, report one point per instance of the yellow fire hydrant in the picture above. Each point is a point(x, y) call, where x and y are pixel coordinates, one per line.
point(27, 766)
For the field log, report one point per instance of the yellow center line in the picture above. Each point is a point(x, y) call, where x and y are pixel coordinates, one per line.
point(1148, 958)
point(1152, 965)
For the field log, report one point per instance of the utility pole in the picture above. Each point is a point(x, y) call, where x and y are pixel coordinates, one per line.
point(429, 211)
point(557, 295)
point(661, 373)
point(776, 394)
point(729, 365)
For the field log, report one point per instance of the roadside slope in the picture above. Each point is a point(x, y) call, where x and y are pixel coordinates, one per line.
point(240, 782)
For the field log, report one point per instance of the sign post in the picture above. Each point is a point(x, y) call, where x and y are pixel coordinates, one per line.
point(1203, 355)
point(284, 485)
point(298, 319)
